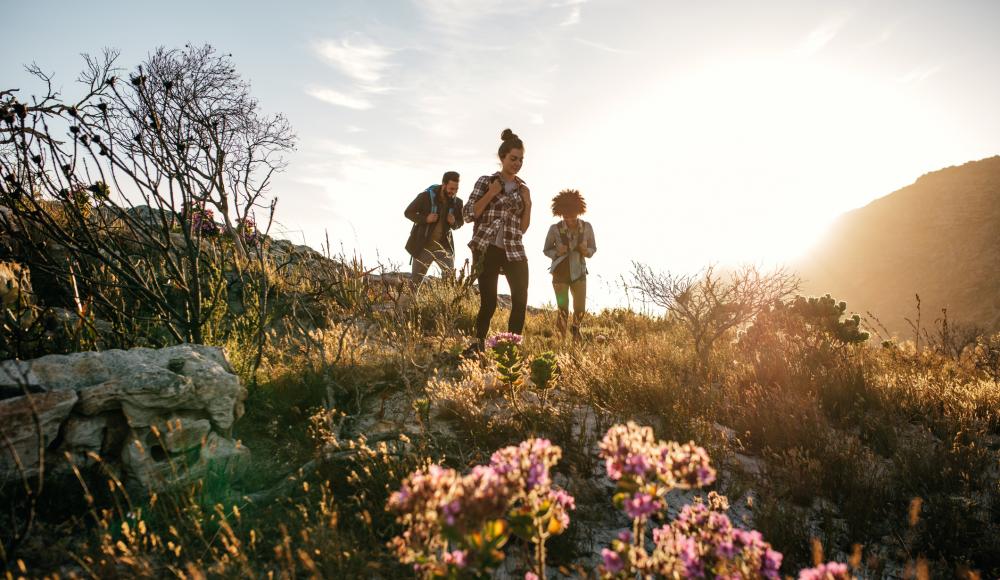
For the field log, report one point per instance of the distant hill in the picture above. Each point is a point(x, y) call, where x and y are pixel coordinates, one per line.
point(939, 238)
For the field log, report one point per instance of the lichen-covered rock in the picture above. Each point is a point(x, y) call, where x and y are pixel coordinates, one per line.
point(19, 427)
point(163, 414)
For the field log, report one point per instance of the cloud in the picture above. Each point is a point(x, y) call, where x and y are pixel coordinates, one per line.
point(820, 36)
point(575, 11)
point(604, 47)
point(920, 74)
point(338, 98)
point(464, 16)
point(356, 56)
point(573, 18)
point(330, 146)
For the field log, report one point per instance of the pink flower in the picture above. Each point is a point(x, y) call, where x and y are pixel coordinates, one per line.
point(612, 561)
point(828, 571)
point(642, 505)
point(530, 576)
point(504, 338)
point(458, 558)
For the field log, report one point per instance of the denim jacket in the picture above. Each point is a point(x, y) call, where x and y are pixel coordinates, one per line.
point(558, 234)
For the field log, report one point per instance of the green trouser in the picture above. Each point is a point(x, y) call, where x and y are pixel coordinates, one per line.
point(579, 290)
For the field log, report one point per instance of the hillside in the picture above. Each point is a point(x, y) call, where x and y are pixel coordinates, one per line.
point(938, 237)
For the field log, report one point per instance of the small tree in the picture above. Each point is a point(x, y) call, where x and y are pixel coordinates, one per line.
point(710, 304)
point(111, 194)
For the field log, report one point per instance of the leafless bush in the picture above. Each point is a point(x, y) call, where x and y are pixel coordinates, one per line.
point(112, 194)
point(710, 303)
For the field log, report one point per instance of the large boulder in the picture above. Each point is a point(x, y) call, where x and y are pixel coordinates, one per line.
point(165, 415)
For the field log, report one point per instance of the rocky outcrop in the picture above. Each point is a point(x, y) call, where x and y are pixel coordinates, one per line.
point(163, 416)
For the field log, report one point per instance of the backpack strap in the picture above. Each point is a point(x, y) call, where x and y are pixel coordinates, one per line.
point(430, 194)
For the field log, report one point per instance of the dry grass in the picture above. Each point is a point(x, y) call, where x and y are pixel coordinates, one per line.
point(842, 440)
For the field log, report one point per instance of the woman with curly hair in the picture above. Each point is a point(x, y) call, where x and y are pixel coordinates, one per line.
point(500, 207)
point(569, 243)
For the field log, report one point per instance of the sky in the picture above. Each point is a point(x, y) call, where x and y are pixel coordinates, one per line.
point(699, 133)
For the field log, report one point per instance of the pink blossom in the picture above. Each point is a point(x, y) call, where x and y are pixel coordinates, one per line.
point(828, 571)
point(642, 505)
point(504, 338)
point(612, 561)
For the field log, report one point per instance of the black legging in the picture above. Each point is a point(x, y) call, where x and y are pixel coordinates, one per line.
point(517, 277)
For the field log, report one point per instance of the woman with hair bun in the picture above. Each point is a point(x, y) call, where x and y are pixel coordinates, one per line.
point(500, 207)
point(569, 243)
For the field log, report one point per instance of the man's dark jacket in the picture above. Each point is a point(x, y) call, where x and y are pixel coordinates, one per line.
point(423, 205)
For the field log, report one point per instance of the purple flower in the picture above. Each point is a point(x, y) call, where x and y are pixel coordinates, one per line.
point(725, 549)
point(772, 563)
point(637, 464)
point(612, 561)
point(458, 558)
point(828, 571)
point(687, 549)
point(503, 339)
point(563, 499)
point(642, 505)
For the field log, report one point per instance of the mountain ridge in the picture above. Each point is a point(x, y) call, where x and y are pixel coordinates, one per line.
point(938, 238)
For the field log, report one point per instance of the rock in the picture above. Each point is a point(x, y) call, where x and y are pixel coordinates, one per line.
point(182, 433)
point(19, 427)
point(140, 381)
point(84, 434)
point(152, 467)
point(15, 285)
point(142, 394)
point(163, 414)
point(223, 456)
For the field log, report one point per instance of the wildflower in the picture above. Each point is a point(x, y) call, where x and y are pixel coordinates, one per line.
point(203, 221)
point(612, 561)
point(642, 505)
point(458, 558)
point(828, 571)
point(473, 515)
point(530, 576)
point(503, 339)
point(247, 229)
point(685, 466)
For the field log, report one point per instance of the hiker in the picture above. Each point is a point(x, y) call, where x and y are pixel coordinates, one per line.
point(500, 206)
point(434, 212)
point(569, 243)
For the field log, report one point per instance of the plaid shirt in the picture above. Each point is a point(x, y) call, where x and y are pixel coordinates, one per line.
point(502, 214)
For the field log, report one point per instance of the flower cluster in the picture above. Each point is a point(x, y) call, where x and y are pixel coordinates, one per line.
point(454, 522)
point(248, 231)
point(635, 459)
point(701, 542)
point(828, 571)
point(503, 339)
point(203, 221)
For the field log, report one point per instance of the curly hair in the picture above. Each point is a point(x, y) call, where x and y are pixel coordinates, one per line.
point(568, 202)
